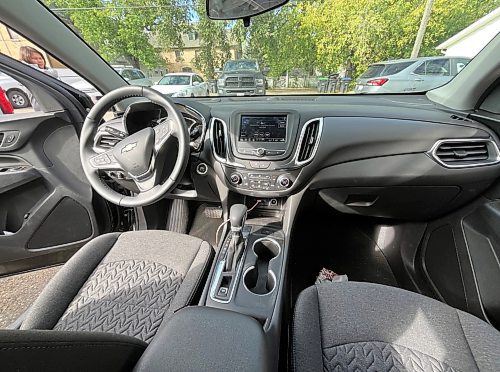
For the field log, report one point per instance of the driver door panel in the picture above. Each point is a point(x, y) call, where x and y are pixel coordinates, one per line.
point(46, 210)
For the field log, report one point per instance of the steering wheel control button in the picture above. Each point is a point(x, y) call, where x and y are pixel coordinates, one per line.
point(202, 169)
point(235, 178)
point(100, 160)
point(162, 130)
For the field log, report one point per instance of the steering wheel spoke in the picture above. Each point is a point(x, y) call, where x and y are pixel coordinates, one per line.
point(146, 184)
point(163, 131)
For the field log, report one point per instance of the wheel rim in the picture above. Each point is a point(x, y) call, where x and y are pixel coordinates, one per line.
point(18, 99)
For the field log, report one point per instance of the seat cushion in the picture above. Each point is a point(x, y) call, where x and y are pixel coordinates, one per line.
point(126, 283)
point(370, 327)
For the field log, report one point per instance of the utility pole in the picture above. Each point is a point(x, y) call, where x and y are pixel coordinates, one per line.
point(422, 28)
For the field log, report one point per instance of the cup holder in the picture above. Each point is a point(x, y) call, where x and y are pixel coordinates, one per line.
point(259, 279)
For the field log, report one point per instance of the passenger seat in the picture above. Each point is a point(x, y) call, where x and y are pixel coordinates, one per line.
point(355, 326)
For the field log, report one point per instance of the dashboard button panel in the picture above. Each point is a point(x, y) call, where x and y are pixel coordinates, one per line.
point(259, 181)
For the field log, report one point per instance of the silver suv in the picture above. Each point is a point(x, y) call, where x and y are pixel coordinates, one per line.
point(409, 75)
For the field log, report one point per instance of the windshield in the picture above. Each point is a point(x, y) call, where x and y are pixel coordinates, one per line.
point(305, 47)
point(174, 80)
point(240, 65)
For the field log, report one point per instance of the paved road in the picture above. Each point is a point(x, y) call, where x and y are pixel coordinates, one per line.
point(17, 292)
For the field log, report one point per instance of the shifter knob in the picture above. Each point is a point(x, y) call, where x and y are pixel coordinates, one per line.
point(237, 216)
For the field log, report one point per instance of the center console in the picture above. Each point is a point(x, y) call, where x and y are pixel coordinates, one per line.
point(261, 153)
point(251, 289)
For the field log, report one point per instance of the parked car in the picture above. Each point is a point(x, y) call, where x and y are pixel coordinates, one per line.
point(76, 81)
point(5, 105)
point(183, 84)
point(241, 77)
point(134, 76)
point(408, 75)
point(17, 93)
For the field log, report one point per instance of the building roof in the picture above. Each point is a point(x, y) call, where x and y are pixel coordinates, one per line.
point(478, 25)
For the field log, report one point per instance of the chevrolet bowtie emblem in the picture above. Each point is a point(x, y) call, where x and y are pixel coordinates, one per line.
point(129, 147)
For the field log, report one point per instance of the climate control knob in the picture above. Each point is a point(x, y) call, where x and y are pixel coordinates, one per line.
point(284, 181)
point(235, 178)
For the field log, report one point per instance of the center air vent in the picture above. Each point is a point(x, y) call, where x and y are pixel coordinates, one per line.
point(219, 138)
point(309, 140)
point(462, 153)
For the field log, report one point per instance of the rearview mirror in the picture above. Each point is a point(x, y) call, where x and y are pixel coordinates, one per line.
point(236, 9)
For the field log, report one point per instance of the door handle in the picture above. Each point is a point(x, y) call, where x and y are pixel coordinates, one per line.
point(418, 79)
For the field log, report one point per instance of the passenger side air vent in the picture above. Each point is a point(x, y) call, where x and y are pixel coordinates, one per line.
point(462, 153)
point(219, 138)
point(309, 140)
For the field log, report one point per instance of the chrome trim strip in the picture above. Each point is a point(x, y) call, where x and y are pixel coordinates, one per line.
point(218, 272)
point(491, 146)
point(270, 272)
point(226, 142)
point(272, 241)
point(301, 138)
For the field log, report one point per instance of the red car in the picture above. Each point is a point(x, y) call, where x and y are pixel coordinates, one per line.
point(5, 105)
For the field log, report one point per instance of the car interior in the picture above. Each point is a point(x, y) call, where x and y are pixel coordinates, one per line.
point(204, 234)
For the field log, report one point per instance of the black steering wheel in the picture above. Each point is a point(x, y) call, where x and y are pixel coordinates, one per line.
point(137, 154)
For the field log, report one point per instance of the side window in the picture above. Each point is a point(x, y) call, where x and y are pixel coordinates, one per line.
point(139, 74)
point(459, 64)
point(420, 70)
point(200, 79)
point(13, 93)
point(438, 67)
point(15, 98)
point(127, 74)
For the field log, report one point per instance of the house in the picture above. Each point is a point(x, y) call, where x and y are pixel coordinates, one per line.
point(469, 41)
point(182, 60)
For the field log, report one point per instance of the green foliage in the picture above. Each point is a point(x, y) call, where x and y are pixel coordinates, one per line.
point(310, 35)
point(126, 29)
point(367, 31)
point(215, 39)
point(279, 40)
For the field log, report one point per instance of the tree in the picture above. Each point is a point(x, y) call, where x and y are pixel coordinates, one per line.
point(368, 31)
point(216, 39)
point(125, 29)
point(278, 40)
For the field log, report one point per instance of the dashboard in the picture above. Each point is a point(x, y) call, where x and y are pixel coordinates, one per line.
point(396, 156)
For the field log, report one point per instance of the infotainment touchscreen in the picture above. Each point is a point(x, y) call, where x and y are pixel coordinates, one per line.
point(263, 128)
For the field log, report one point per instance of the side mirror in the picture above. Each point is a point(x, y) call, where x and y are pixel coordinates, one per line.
point(195, 83)
point(218, 71)
point(266, 70)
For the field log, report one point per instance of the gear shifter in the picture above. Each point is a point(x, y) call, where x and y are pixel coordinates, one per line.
point(237, 216)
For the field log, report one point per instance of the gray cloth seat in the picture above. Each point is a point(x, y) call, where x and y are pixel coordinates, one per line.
point(369, 327)
point(123, 283)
